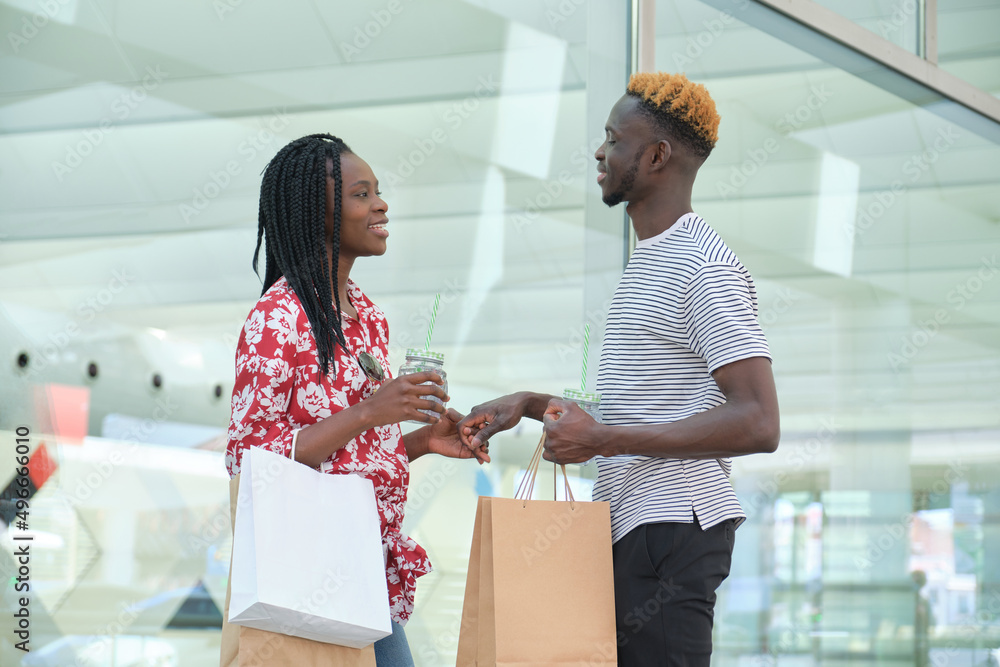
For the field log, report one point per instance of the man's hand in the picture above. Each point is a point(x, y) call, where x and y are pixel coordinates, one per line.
point(443, 438)
point(488, 419)
point(570, 433)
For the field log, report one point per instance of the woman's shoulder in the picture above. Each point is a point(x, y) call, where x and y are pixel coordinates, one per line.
point(279, 310)
point(279, 296)
point(360, 299)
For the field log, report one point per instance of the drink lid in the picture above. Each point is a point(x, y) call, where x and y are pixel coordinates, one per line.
point(577, 395)
point(424, 354)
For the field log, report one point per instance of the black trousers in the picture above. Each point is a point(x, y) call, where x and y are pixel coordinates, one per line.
point(666, 575)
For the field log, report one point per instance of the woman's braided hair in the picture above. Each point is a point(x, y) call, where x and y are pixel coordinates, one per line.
point(291, 222)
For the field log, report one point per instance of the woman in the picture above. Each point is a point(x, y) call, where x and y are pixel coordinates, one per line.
point(312, 361)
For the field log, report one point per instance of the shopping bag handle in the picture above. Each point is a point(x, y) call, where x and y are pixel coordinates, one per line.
point(295, 436)
point(527, 485)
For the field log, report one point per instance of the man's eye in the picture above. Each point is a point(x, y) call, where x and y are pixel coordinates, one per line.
point(378, 194)
point(610, 142)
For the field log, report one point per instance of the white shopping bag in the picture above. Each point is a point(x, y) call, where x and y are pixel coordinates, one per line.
point(307, 554)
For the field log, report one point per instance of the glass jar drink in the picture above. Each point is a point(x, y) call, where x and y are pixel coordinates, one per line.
point(418, 361)
point(590, 403)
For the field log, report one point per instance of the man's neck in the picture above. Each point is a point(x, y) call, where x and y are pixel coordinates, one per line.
point(651, 218)
point(657, 207)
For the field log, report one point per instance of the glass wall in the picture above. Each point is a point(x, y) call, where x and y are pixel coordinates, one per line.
point(131, 144)
point(969, 41)
point(967, 32)
point(870, 226)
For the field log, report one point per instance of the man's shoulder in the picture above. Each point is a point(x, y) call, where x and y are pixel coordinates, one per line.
point(704, 241)
point(708, 250)
point(691, 248)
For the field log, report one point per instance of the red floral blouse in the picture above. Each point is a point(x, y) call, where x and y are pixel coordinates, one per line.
point(277, 392)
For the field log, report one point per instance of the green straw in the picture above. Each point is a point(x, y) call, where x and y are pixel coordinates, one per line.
point(586, 353)
point(434, 314)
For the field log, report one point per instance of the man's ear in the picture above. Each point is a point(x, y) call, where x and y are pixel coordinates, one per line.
point(661, 155)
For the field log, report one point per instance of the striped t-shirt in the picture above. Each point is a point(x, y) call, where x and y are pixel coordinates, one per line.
point(684, 307)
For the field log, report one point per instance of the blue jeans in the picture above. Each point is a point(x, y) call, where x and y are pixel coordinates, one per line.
point(394, 650)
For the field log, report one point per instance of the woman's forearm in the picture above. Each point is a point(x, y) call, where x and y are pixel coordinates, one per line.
point(416, 443)
point(317, 442)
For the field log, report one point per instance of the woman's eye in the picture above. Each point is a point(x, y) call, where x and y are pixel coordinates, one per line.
point(610, 142)
point(378, 194)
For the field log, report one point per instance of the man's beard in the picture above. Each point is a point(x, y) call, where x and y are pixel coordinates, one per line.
point(628, 180)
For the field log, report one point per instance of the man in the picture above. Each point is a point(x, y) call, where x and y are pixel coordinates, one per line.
point(685, 377)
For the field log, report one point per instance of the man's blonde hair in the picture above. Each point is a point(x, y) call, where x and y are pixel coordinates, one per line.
point(681, 107)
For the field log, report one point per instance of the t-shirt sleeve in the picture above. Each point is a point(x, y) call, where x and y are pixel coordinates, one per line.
point(722, 317)
point(265, 357)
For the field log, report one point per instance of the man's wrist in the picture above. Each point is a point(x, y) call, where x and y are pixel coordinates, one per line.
point(532, 405)
point(602, 444)
point(605, 444)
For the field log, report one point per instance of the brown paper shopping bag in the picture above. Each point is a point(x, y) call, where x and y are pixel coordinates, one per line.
point(540, 586)
point(248, 647)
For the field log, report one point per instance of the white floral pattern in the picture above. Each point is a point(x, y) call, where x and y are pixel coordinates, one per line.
point(254, 327)
point(278, 389)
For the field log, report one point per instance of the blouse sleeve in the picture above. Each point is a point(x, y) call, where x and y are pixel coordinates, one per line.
point(265, 357)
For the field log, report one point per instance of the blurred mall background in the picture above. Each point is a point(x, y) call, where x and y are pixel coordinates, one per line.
point(856, 176)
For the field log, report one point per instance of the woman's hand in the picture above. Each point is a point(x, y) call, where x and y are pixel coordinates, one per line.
point(444, 438)
point(403, 398)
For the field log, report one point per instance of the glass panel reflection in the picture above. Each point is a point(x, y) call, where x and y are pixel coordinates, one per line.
point(132, 141)
point(969, 41)
point(897, 21)
point(869, 225)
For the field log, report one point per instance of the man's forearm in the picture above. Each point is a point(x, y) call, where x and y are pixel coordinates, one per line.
point(724, 431)
point(533, 405)
point(500, 414)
